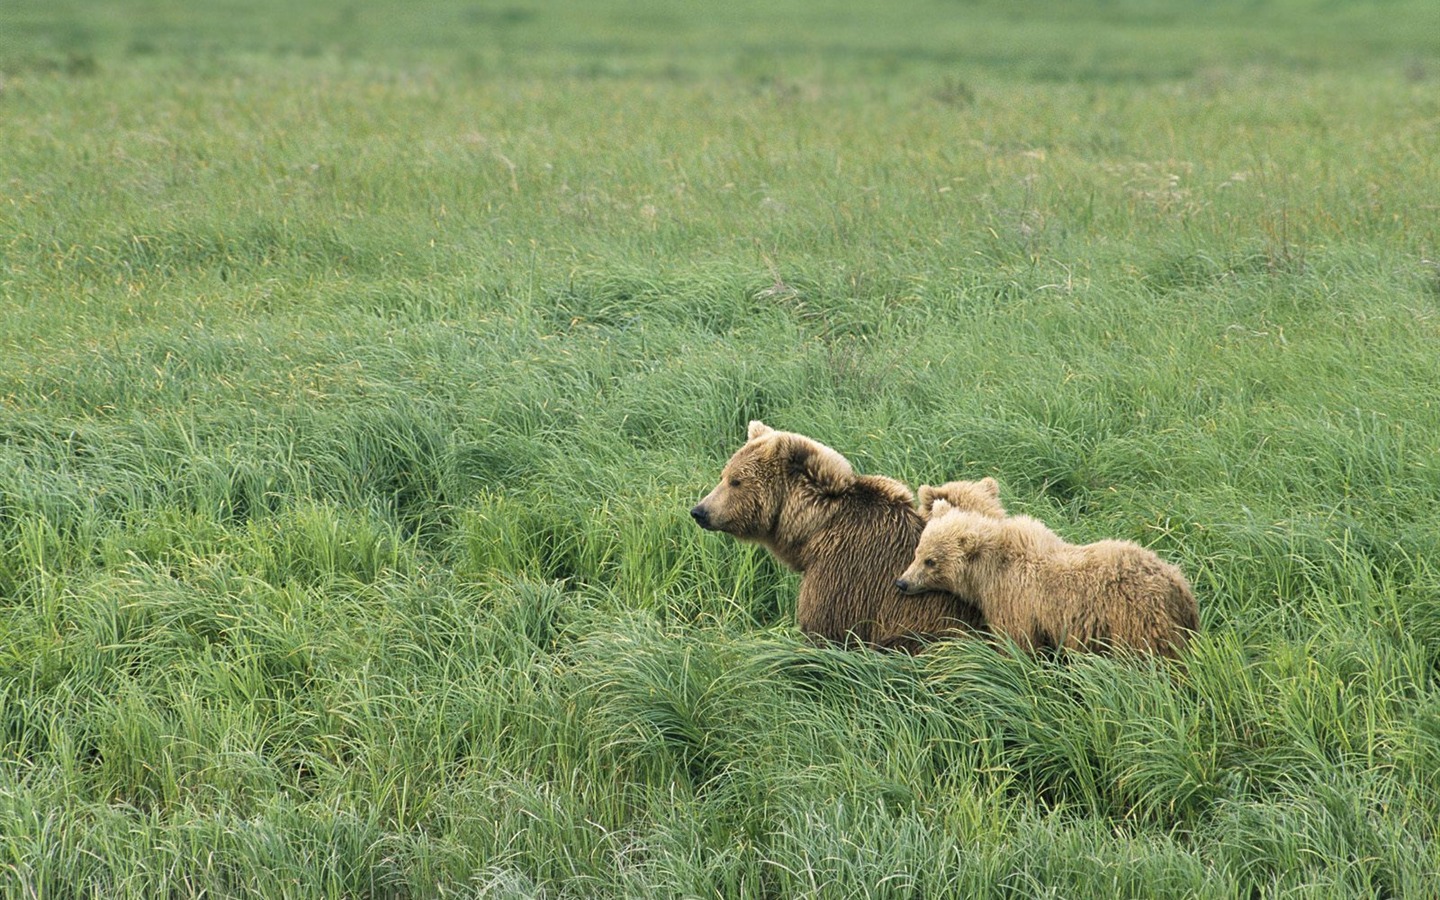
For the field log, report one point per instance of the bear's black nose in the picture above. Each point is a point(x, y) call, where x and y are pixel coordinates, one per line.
point(903, 585)
point(701, 516)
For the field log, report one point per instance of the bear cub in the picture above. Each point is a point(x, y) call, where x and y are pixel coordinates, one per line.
point(1042, 592)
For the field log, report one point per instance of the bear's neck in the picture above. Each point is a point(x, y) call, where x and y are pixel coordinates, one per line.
point(796, 552)
point(844, 529)
point(808, 533)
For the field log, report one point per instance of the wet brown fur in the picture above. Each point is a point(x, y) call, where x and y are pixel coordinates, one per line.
point(849, 535)
point(1042, 592)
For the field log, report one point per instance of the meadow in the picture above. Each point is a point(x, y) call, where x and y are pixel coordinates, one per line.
point(359, 365)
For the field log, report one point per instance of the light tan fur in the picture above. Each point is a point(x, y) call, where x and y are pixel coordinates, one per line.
point(1042, 592)
point(981, 496)
point(849, 535)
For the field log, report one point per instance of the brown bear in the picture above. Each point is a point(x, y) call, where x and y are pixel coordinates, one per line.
point(981, 496)
point(1044, 593)
point(849, 535)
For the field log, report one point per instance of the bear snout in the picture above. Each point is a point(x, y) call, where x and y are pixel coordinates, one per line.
point(701, 515)
point(909, 585)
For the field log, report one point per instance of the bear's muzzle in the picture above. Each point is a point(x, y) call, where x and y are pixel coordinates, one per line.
point(701, 515)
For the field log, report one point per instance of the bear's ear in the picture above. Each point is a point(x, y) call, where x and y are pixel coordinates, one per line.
point(990, 486)
point(969, 546)
point(758, 429)
point(927, 497)
point(826, 469)
point(940, 507)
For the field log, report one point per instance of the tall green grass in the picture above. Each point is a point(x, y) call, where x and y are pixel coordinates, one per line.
point(358, 368)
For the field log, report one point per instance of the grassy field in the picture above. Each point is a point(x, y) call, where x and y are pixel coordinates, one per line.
point(359, 365)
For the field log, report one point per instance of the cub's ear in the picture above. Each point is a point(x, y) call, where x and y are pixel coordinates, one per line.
point(968, 546)
point(940, 507)
point(972, 546)
point(927, 497)
point(989, 486)
point(826, 469)
point(758, 429)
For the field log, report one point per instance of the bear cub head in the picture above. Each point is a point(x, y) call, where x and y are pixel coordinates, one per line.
point(953, 541)
point(981, 496)
point(774, 478)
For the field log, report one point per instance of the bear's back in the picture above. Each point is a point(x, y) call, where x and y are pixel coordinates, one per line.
point(849, 587)
point(1143, 601)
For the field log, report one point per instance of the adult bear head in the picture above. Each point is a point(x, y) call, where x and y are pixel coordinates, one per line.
point(773, 486)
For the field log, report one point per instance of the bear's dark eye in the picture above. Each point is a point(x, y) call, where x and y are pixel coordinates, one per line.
point(930, 563)
point(734, 482)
